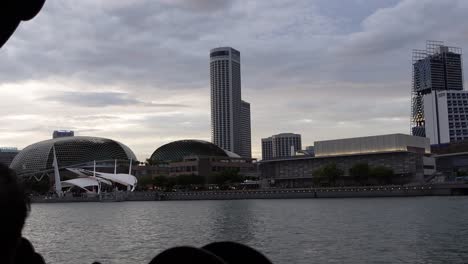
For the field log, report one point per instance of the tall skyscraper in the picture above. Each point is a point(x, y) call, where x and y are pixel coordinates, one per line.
point(281, 145)
point(229, 128)
point(436, 69)
point(246, 136)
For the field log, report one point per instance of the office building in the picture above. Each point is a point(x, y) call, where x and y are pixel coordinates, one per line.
point(63, 133)
point(446, 116)
point(267, 148)
point(7, 155)
point(228, 112)
point(281, 145)
point(436, 69)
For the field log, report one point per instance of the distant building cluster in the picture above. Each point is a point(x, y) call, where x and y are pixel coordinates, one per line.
point(438, 144)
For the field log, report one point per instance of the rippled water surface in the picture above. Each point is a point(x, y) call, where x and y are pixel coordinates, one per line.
point(380, 230)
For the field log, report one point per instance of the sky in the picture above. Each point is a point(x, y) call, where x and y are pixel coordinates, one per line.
point(137, 71)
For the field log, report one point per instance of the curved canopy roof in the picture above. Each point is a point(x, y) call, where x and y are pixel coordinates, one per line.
point(177, 150)
point(70, 151)
point(124, 179)
point(120, 178)
point(81, 183)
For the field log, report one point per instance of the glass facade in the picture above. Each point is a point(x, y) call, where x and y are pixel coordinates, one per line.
point(177, 150)
point(70, 151)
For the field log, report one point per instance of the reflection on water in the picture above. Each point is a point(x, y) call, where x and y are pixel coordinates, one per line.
point(379, 230)
point(233, 222)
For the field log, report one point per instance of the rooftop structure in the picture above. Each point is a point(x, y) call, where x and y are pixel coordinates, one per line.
point(372, 144)
point(63, 133)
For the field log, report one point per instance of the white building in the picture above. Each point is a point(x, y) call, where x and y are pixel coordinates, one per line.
point(446, 116)
point(281, 145)
point(228, 112)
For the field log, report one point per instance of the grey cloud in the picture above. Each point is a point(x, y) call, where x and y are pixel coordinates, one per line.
point(98, 99)
point(343, 64)
point(200, 5)
point(103, 99)
point(408, 22)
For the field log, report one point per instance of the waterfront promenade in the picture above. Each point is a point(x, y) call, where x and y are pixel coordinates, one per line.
point(303, 193)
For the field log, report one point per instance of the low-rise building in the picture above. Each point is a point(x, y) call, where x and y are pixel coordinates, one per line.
point(201, 158)
point(405, 155)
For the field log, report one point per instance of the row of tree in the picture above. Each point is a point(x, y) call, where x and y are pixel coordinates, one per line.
point(224, 178)
point(360, 173)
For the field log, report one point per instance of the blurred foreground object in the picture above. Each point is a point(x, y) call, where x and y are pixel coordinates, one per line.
point(14, 208)
point(12, 12)
point(214, 253)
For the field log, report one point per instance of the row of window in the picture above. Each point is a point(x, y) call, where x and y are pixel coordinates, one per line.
point(457, 110)
point(457, 95)
point(459, 132)
point(457, 117)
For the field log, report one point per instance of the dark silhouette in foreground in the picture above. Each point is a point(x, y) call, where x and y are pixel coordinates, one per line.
point(12, 12)
point(14, 207)
point(214, 253)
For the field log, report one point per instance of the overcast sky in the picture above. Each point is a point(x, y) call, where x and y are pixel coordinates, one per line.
point(137, 71)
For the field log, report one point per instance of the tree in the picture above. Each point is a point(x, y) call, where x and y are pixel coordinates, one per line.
point(186, 180)
point(227, 176)
point(35, 186)
point(360, 172)
point(160, 181)
point(330, 172)
point(381, 174)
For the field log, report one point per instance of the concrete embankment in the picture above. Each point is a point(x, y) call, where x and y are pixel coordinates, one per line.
point(355, 192)
point(342, 192)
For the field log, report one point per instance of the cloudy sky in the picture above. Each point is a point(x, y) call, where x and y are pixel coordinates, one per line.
point(137, 70)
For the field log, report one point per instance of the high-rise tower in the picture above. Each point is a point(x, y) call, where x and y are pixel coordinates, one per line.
point(436, 69)
point(246, 141)
point(228, 112)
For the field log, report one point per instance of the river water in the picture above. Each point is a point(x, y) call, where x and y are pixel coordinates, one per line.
point(370, 230)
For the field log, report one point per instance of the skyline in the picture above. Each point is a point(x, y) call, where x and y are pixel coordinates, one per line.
point(105, 83)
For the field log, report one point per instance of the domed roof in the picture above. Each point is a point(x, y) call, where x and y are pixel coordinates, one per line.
point(177, 150)
point(70, 151)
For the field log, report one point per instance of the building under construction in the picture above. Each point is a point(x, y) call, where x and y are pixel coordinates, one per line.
point(437, 68)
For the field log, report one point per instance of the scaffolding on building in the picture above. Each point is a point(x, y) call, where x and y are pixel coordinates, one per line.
point(433, 49)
